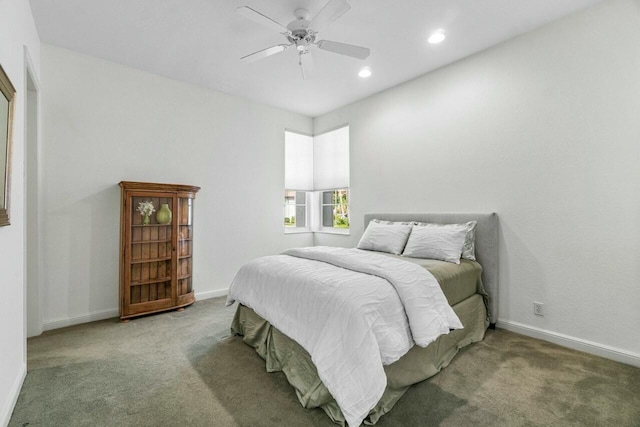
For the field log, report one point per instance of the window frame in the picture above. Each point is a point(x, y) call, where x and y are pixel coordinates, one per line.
point(333, 230)
point(307, 228)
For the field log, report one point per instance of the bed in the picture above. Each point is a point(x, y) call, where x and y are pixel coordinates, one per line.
point(470, 289)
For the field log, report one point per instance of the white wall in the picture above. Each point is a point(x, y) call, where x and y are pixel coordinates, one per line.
point(104, 123)
point(544, 130)
point(17, 30)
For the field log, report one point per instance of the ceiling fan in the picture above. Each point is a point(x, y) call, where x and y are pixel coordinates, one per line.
point(302, 33)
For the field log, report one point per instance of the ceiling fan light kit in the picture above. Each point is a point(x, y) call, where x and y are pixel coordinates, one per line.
point(302, 33)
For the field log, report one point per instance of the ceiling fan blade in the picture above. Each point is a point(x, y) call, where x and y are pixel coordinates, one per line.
point(260, 18)
point(344, 49)
point(331, 11)
point(306, 64)
point(255, 56)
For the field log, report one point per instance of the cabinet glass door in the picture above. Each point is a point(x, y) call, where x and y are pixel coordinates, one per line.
point(185, 245)
point(150, 256)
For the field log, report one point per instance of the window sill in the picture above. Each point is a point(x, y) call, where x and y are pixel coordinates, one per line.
point(339, 231)
point(294, 231)
point(325, 231)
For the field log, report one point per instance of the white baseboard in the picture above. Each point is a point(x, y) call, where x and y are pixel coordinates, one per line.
point(579, 344)
point(212, 294)
point(47, 325)
point(7, 410)
point(108, 314)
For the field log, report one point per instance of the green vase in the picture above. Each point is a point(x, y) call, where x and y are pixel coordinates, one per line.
point(164, 214)
point(145, 220)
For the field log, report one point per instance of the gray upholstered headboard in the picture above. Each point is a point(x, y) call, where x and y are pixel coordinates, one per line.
point(486, 243)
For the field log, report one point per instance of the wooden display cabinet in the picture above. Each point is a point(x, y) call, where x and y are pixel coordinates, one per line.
point(156, 259)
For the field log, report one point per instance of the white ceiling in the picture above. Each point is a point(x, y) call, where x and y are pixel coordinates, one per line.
point(201, 41)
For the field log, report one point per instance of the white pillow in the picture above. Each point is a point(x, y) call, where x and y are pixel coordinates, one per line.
point(469, 249)
point(385, 237)
point(443, 243)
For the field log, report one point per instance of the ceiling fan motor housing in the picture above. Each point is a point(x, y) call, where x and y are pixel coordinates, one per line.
point(299, 32)
point(302, 14)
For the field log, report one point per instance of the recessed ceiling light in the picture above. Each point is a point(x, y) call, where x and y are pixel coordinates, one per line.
point(437, 36)
point(365, 72)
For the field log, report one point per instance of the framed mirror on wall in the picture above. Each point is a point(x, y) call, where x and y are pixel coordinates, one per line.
point(7, 101)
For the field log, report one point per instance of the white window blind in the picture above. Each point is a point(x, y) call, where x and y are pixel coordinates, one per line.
point(298, 161)
point(331, 160)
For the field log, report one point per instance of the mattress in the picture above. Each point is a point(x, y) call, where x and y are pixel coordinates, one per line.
point(458, 282)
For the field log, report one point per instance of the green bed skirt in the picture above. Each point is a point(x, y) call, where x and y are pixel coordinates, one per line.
point(281, 353)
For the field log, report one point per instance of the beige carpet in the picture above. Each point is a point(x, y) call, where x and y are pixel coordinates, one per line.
point(178, 369)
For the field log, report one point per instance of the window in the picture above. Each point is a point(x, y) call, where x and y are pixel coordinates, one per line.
point(298, 181)
point(316, 195)
point(331, 179)
point(335, 209)
point(295, 209)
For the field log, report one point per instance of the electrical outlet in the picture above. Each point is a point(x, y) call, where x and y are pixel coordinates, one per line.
point(537, 308)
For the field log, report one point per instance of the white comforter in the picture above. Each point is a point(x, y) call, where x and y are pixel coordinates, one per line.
point(352, 310)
